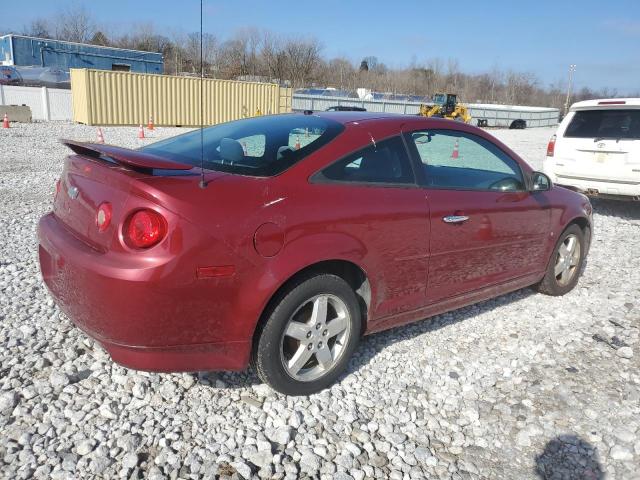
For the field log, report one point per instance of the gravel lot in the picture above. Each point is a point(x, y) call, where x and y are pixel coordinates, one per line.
point(523, 386)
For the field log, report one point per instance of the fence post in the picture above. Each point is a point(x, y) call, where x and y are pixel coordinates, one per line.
point(45, 103)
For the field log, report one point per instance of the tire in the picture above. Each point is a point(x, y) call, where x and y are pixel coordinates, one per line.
point(299, 351)
point(559, 284)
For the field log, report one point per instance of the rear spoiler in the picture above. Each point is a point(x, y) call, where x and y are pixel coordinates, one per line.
point(133, 159)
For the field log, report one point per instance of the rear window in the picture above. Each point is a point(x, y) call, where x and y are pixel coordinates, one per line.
point(259, 146)
point(618, 124)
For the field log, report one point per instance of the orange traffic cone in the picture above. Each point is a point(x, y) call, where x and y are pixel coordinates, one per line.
point(455, 153)
point(150, 124)
point(100, 136)
point(140, 131)
point(5, 121)
point(297, 143)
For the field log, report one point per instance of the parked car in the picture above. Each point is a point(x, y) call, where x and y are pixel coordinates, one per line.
point(346, 108)
point(596, 149)
point(287, 255)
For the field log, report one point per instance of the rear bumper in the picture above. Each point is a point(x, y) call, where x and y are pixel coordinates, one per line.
point(183, 358)
point(156, 318)
point(600, 188)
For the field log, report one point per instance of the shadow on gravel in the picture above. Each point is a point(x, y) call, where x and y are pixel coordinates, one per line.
point(569, 457)
point(371, 345)
point(616, 208)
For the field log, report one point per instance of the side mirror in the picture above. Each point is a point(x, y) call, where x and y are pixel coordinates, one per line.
point(420, 138)
point(540, 182)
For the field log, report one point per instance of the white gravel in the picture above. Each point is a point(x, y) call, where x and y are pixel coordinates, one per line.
point(523, 386)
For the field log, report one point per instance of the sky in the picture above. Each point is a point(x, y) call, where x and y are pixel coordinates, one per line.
point(602, 38)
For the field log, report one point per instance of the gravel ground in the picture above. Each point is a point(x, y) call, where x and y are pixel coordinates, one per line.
point(523, 386)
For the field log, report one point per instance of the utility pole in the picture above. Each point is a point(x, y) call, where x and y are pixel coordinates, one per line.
point(572, 68)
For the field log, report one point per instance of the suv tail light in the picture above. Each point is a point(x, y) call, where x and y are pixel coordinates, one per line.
point(145, 228)
point(551, 147)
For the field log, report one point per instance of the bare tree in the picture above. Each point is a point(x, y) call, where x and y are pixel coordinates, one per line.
point(210, 53)
point(274, 57)
point(38, 28)
point(99, 38)
point(302, 57)
point(74, 24)
point(341, 73)
point(144, 37)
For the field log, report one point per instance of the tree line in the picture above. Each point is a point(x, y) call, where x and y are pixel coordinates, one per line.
point(297, 61)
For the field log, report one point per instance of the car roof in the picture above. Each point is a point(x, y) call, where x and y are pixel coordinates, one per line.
point(354, 116)
point(606, 104)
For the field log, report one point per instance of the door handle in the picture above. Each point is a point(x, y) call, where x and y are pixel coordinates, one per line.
point(455, 218)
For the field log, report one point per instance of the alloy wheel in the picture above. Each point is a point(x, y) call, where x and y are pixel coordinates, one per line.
point(315, 337)
point(567, 260)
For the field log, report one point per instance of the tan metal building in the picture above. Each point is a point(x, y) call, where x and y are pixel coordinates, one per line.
point(102, 97)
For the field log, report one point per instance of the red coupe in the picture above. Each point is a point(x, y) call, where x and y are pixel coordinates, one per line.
point(301, 233)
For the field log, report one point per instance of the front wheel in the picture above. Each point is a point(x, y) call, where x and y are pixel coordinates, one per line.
point(309, 336)
point(566, 263)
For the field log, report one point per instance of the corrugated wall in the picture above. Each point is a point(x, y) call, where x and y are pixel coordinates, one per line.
point(79, 102)
point(45, 52)
point(120, 98)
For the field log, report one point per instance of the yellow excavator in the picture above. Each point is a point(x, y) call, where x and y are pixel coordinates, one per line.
point(446, 105)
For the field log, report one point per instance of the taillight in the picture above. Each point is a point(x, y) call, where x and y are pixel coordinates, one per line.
point(145, 228)
point(551, 147)
point(103, 216)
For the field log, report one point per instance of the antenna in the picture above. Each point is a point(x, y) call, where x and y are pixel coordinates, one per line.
point(203, 184)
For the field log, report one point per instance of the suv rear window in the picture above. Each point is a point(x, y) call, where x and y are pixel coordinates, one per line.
point(259, 146)
point(603, 124)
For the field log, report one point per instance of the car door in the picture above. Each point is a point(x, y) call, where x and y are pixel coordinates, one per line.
point(380, 204)
point(486, 227)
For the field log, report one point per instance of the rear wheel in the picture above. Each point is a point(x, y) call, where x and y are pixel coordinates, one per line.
point(309, 336)
point(566, 263)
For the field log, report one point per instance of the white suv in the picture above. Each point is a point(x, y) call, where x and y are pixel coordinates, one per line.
point(596, 149)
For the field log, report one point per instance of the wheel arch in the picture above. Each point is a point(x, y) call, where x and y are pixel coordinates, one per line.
point(350, 272)
point(585, 226)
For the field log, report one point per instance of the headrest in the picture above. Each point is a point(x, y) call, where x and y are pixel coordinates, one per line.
point(283, 151)
point(231, 150)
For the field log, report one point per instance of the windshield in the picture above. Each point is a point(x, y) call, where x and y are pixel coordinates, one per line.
point(259, 146)
point(439, 98)
point(601, 124)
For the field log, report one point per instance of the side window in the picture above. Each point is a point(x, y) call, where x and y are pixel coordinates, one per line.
point(253, 146)
point(385, 162)
point(458, 160)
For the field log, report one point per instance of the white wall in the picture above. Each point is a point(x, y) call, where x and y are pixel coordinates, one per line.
point(45, 103)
